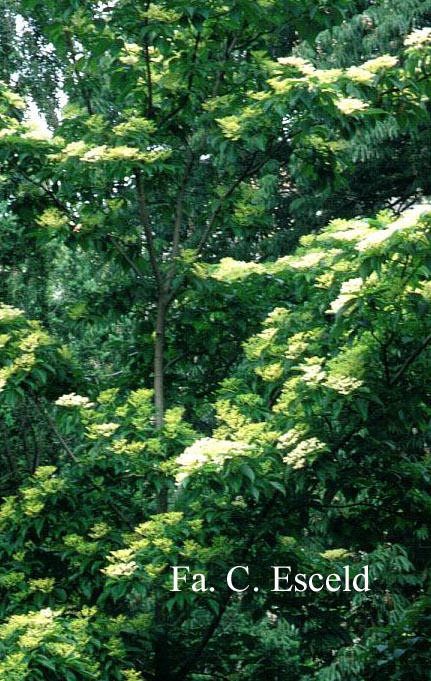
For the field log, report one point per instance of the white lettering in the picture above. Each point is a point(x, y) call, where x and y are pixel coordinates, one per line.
point(176, 577)
point(278, 577)
point(230, 575)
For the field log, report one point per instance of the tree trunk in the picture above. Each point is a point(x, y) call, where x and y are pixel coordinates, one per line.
point(159, 369)
point(159, 383)
point(161, 643)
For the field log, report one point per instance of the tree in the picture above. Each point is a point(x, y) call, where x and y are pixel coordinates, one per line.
point(391, 168)
point(170, 155)
point(324, 427)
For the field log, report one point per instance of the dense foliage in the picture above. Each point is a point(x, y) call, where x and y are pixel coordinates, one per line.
point(215, 333)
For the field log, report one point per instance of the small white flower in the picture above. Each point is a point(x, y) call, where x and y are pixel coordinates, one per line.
point(207, 450)
point(350, 105)
point(359, 74)
point(418, 37)
point(305, 67)
point(47, 612)
point(305, 451)
point(73, 400)
point(385, 61)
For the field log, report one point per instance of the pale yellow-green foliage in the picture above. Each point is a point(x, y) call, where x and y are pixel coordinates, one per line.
point(336, 554)
point(12, 579)
point(98, 430)
point(80, 544)
point(132, 675)
point(34, 496)
point(52, 218)
point(45, 585)
point(270, 372)
point(235, 425)
point(137, 124)
point(54, 632)
point(160, 14)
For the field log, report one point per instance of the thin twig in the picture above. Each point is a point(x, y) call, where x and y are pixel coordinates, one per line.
point(74, 458)
point(117, 244)
point(410, 360)
point(179, 209)
point(249, 171)
point(55, 430)
point(188, 92)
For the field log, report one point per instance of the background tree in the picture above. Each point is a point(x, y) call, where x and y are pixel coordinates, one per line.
point(390, 166)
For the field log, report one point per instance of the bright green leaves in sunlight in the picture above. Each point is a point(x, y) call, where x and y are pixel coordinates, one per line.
point(354, 331)
point(25, 350)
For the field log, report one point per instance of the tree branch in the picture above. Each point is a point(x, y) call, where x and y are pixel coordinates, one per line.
point(190, 80)
point(117, 244)
point(150, 111)
point(49, 192)
point(179, 209)
point(249, 171)
point(51, 423)
point(82, 86)
point(230, 46)
point(251, 540)
point(410, 360)
point(145, 220)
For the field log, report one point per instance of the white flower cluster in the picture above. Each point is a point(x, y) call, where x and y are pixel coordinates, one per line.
point(304, 451)
point(308, 260)
point(120, 569)
point(289, 439)
point(360, 231)
point(385, 61)
point(207, 451)
point(312, 370)
point(97, 430)
point(418, 37)
point(348, 292)
point(105, 153)
point(343, 384)
point(9, 314)
point(305, 67)
point(407, 220)
point(359, 74)
point(73, 400)
point(350, 105)
point(351, 285)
